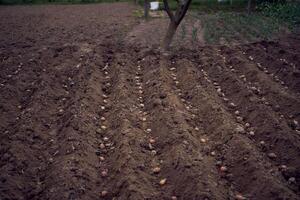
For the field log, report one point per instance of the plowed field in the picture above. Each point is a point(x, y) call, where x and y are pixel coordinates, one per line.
point(86, 115)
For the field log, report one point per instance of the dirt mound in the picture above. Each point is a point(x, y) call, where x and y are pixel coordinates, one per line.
point(88, 114)
point(150, 33)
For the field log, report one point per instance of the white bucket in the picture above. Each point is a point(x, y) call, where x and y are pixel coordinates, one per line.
point(154, 5)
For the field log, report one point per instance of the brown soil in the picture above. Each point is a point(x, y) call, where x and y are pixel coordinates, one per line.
point(87, 113)
point(150, 33)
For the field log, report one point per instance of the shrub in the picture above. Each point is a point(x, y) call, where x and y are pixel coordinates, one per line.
point(285, 12)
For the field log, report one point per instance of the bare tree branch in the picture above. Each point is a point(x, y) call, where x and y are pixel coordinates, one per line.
point(183, 11)
point(182, 7)
point(168, 10)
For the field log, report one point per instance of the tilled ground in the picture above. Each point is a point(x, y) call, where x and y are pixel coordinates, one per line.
point(87, 115)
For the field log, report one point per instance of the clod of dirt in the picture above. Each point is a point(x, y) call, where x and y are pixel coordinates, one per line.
point(104, 173)
point(292, 180)
point(148, 130)
point(153, 152)
point(232, 105)
point(156, 170)
point(240, 129)
point(223, 168)
point(272, 155)
point(276, 108)
point(156, 102)
point(282, 167)
point(251, 133)
point(162, 95)
point(101, 158)
point(151, 141)
point(240, 197)
point(239, 119)
point(98, 153)
point(102, 146)
point(262, 143)
point(98, 130)
point(163, 181)
point(104, 193)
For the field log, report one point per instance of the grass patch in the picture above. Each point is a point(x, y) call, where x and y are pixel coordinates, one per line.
point(16, 2)
point(239, 27)
point(288, 13)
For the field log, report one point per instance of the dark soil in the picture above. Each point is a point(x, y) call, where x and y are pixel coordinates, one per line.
point(88, 113)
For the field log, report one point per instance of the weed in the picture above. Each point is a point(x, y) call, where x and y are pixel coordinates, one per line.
point(183, 31)
point(194, 34)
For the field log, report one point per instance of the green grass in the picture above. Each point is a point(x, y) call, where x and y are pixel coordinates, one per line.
point(239, 27)
point(288, 13)
point(14, 2)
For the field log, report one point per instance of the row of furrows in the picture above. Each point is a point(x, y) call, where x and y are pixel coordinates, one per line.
point(154, 164)
point(105, 144)
point(282, 69)
point(74, 168)
point(31, 131)
point(16, 106)
point(272, 136)
point(187, 168)
point(235, 151)
point(271, 94)
point(129, 169)
point(196, 122)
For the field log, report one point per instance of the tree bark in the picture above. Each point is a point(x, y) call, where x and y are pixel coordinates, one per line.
point(182, 7)
point(146, 9)
point(170, 34)
point(249, 7)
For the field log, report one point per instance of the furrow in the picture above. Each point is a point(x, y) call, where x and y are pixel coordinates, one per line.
point(233, 148)
point(128, 161)
point(187, 167)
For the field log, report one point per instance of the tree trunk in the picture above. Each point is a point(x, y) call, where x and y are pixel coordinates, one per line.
point(249, 7)
point(170, 34)
point(146, 9)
